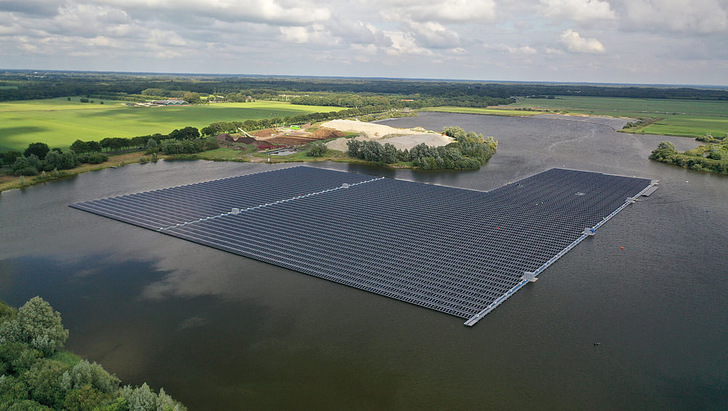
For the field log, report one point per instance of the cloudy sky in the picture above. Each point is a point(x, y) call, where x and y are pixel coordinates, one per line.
point(618, 41)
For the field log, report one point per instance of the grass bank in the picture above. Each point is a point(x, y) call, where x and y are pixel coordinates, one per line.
point(684, 118)
point(9, 182)
point(493, 111)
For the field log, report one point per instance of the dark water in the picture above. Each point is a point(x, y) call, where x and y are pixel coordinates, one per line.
point(219, 331)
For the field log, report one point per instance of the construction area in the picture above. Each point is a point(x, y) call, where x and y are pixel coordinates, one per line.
point(336, 133)
point(280, 137)
point(457, 251)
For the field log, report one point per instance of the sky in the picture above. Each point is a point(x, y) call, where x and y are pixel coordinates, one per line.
point(597, 41)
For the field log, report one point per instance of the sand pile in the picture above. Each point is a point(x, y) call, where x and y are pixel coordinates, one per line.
point(402, 138)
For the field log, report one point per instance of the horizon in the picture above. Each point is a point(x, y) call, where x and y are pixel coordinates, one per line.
point(675, 42)
point(343, 77)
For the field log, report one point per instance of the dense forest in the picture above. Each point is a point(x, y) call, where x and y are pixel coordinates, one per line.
point(37, 374)
point(29, 85)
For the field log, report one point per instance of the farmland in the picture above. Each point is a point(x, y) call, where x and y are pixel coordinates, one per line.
point(688, 118)
point(493, 111)
point(59, 122)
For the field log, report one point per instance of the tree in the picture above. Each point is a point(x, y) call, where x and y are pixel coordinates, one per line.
point(69, 160)
point(23, 167)
point(36, 325)
point(85, 373)
point(39, 149)
point(389, 154)
point(139, 141)
point(145, 399)
point(86, 398)
point(187, 133)
point(192, 97)
point(80, 147)
point(667, 146)
point(53, 160)
point(94, 146)
point(44, 382)
point(9, 157)
point(664, 150)
point(316, 149)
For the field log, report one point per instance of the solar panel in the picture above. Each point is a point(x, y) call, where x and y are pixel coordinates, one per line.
point(458, 251)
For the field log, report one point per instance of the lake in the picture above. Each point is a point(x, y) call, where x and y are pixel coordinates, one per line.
point(219, 331)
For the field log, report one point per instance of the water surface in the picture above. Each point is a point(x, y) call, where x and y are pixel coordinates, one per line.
point(219, 331)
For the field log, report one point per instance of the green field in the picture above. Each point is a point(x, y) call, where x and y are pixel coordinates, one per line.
point(479, 110)
point(689, 118)
point(59, 122)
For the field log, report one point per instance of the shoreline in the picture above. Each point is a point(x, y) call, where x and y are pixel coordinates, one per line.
point(10, 182)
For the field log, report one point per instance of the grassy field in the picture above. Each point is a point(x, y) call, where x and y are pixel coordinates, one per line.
point(59, 122)
point(490, 111)
point(688, 118)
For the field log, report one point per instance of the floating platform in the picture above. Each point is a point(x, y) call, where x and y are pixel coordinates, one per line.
point(459, 251)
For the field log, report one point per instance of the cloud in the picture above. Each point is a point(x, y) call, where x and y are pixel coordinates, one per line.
point(360, 33)
point(577, 44)
point(405, 44)
point(448, 11)
point(434, 35)
point(316, 34)
point(682, 16)
point(39, 8)
point(515, 51)
point(394, 37)
point(257, 11)
point(577, 10)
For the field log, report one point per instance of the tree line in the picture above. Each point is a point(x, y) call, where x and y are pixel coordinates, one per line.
point(28, 85)
point(469, 151)
point(39, 157)
point(37, 374)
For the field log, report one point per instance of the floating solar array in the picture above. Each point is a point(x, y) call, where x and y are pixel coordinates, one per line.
point(462, 252)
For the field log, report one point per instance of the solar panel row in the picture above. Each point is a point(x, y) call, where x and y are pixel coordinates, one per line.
point(452, 250)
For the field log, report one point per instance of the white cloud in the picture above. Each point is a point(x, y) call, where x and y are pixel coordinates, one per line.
point(360, 33)
point(684, 16)
point(515, 51)
point(577, 10)
point(435, 35)
point(439, 11)
point(394, 37)
point(405, 44)
point(577, 44)
point(316, 33)
point(264, 11)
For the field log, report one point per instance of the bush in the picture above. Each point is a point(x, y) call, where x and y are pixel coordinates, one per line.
point(8, 158)
point(316, 149)
point(93, 158)
point(211, 144)
point(26, 171)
